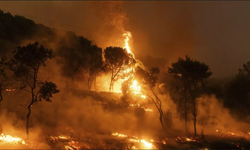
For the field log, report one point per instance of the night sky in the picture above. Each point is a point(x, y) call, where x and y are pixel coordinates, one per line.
point(216, 33)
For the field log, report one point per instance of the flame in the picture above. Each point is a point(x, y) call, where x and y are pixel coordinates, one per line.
point(138, 105)
point(147, 144)
point(119, 135)
point(126, 41)
point(143, 143)
point(148, 109)
point(133, 147)
point(12, 140)
point(135, 87)
point(62, 137)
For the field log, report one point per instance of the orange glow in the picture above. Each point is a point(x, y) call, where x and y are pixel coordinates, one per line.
point(126, 41)
point(138, 105)
point(147, 144)
point(12, 140)
point(148, 109)
point(129, 72)
point(136, 88)
point(62, 137)
point(143, 143)
point(119, 135)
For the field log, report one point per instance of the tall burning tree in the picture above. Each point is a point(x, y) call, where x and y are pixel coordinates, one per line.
point(117, 61)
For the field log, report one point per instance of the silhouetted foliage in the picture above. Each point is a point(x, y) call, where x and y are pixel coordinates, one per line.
point(190, 73)
point(25, 63)
point(96, 64)
point(73, 55)
point(78, 57)
point(4, 79)
point(13, 29)
point(237, 93)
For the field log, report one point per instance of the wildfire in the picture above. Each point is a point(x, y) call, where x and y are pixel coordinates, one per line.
point(119, 135)
point(148, 109)
point(126, 41)
point(147, 144)
point(12, 140)
point(143, 143)
point(138, 105)
point(135, 87)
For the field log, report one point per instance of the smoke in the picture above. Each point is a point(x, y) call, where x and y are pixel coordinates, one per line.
point(95, 115)
point(162, 29)
point(213, 116)
point(83, 114)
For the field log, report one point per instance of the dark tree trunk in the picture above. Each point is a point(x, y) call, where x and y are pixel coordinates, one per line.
point(28, 117)
point(161, 116)
point(90, 81)
point(158, 106)
point(195, 116)
point(185, 108)
point(193, 95)
point(111, 82)
point(33, 99)
point(1, 96)
point(111, 86)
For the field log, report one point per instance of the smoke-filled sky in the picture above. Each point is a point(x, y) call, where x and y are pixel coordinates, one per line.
point(216, 33)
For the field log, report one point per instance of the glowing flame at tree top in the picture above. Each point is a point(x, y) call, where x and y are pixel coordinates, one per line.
point(126, 40)
point(135, 87)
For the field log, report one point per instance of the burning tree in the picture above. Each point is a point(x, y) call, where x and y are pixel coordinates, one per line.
point(25, 63)
point(148, 79)
point(117, 61)
point(190, 73)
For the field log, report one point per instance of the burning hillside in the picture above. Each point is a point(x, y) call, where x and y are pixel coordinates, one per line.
point(61, 91)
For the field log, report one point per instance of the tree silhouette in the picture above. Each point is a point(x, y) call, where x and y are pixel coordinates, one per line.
point(73, 57)
point(96, 64)
point(246, 69)
point(190, 73)
point(237, 93)
point(3, 77)
point(79, 57)
point(117, 60)
point(25, 63)
point(148, 79)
